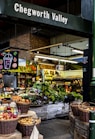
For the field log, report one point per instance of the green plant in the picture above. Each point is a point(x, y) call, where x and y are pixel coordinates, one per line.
point(77, 95)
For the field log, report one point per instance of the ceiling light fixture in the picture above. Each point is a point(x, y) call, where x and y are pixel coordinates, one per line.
point(55, 58)
point(77, 51)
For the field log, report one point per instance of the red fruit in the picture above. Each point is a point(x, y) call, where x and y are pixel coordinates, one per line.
point(8, 108)
point(14, 116)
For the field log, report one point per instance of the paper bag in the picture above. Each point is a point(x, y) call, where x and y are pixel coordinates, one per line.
point(35, 133)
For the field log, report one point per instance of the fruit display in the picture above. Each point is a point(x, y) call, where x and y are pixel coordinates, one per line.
point(82, 110)
point(24, 101)
point(29, 121)
point(21, 99)
point(3, 96)
point(25, 125)
point(8, 119)
point(16, 98)
point(7, 112)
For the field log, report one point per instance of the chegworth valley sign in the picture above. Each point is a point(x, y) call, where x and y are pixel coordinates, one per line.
point(17, 9)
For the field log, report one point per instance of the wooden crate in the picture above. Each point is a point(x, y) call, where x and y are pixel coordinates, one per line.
point(72, 123)
point(77, 135)
point(81, 124)
point(82, 127)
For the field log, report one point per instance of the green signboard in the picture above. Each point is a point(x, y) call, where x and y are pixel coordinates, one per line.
point(38, 14)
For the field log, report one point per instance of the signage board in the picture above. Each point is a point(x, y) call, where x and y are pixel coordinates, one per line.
point(9, 60)
point(21, 10)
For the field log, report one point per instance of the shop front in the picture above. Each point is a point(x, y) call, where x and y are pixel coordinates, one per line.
point(47, 86)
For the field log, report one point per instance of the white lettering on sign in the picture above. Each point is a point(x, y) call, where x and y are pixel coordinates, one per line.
point(59, 18)
point(19, 8)
point(42, 14)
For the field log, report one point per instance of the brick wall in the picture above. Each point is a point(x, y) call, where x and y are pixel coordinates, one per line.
point(21, 44)
point(39, 41)
point(27, 42)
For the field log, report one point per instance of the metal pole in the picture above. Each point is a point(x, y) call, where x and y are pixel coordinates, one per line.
point(92, 85)
point(92, 125)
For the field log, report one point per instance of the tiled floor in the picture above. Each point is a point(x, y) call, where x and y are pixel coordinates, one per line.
point(55, 129)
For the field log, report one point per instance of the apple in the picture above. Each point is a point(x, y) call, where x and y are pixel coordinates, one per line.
point(14, 116)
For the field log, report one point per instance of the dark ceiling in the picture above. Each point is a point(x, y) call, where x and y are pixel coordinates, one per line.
point(9, 29)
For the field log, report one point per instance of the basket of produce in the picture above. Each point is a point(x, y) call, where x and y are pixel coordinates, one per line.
point(16, 98)
point(75, 109)
point(84, 110)
point(23, 105)
point(8, 126)
point(8, 119)
point(8, 123)
point(25, 125)
point(84, 113)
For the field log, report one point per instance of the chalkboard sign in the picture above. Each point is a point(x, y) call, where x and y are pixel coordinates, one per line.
point(9, 60)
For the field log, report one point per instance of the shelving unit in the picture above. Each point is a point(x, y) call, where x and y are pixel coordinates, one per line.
point(25, 79)
point(69, 79)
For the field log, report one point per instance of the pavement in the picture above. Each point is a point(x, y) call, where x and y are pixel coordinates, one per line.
point(58, 128)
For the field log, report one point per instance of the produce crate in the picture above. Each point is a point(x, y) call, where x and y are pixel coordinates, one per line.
point(8, 126)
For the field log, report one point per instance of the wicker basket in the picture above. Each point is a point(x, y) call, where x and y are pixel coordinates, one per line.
point(74, 108)
point(26, 130)
point(8, 126)
point(84, 113)
point(27, 127)
point(23, 107)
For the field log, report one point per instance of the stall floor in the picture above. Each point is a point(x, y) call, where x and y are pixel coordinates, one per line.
point(58, 128)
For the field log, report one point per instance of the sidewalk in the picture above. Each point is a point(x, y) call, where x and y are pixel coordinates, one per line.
point(55, 129)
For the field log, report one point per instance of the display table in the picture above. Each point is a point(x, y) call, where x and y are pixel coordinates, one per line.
point(50, 111)
point(40, 137)
point(15, 135)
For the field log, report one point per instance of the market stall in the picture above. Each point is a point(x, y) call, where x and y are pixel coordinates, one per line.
point(17, 122)
point(24, 105)
point(79, 120)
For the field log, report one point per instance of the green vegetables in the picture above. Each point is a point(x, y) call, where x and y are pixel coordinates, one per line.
point(77, 95)
point(53, 93)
